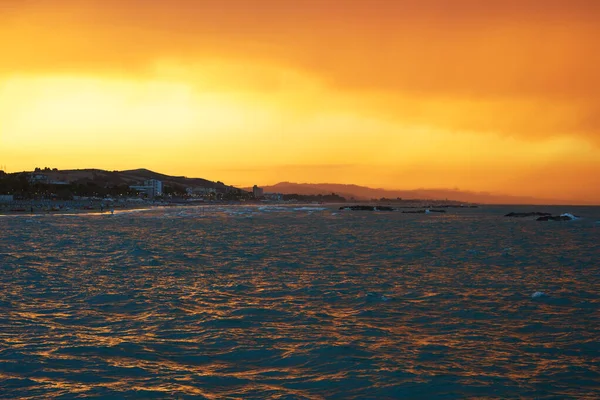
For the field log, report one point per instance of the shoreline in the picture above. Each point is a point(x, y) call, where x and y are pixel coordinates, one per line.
point(44, 207)
point(71, 207)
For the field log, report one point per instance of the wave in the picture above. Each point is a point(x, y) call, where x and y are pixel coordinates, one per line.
point(569, 215)
point(272, 208)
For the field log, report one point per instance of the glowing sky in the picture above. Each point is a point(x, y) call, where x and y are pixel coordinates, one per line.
point(500, 96)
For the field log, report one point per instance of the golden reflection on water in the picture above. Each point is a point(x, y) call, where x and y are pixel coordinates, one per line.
point(239, 302)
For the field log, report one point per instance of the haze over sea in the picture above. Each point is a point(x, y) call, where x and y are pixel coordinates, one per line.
point(300, 302)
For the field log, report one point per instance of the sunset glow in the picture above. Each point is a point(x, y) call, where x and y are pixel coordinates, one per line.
point(498, 96)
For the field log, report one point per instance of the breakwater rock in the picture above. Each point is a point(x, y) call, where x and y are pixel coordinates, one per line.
point(527, 214)
point(562, 217)
point(368, 208)
point(423, 211)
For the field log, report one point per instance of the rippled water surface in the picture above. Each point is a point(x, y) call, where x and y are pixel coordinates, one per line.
point(299, 303)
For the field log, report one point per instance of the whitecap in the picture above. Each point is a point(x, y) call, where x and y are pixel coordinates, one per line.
point(271, 208)
point(538, 295)
point(571, 216)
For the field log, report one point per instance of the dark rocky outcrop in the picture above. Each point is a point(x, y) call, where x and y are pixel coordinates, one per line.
point(368, 208)
point(384, 208)
point(423, 211)
point(358, 208)
point(527, 214)
point(563, 217)
point(553, 218)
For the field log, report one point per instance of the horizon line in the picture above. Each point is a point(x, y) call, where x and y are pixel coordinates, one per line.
point(535, 200)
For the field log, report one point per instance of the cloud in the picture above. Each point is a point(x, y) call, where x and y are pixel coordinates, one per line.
point(467, 92)
point(526, 68)
point(466, 48)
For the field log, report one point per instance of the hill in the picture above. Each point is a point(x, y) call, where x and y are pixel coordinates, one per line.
point(366, 193)
point(129, 177)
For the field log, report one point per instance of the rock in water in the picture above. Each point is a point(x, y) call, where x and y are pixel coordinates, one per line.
point(368, 208)
point(562, 217)
point(527, 214)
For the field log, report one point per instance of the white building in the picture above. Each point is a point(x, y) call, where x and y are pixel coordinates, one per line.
point(151, 187)
point(274, 196)
point(257, 192)
point(156, 185)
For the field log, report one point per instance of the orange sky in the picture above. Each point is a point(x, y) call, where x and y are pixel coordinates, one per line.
point(499, 96)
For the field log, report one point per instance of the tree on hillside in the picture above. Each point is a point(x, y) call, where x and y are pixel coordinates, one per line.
point(174, 190)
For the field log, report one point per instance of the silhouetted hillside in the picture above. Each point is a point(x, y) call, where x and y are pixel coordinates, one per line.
point(367, 193)
point(129, 177)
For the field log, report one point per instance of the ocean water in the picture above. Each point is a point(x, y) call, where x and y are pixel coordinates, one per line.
point(300, 302)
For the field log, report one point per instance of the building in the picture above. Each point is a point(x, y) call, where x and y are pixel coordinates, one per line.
point(6, 198)
point(274, 196)
point(231, 189)
point(38, 178)
point(156, 185)
point(257, 192)
point(201, 191)
point(151, 187)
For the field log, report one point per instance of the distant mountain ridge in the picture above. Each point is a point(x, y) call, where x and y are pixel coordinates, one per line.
point(348, 191)
point(363, 193)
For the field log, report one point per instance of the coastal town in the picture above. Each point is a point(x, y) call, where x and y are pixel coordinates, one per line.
point(53, 191)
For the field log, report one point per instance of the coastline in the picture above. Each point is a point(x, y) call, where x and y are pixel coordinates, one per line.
point(46, 207)
point(97, 206)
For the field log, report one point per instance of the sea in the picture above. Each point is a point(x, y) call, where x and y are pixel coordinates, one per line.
point(300, 302)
